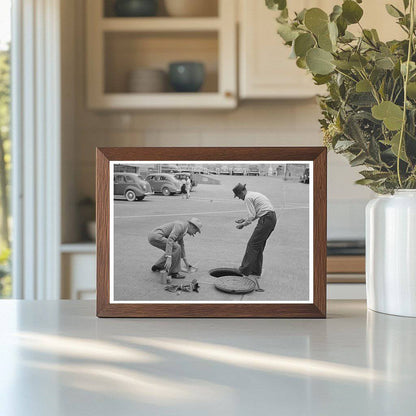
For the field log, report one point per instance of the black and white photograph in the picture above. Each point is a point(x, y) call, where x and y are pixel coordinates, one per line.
point(211, 232)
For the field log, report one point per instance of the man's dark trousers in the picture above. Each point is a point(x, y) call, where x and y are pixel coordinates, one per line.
point(253, 258)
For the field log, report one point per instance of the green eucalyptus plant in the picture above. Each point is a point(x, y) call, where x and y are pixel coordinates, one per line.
point(369, 113)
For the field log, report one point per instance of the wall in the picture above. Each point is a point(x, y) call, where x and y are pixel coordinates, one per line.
point(256, 123)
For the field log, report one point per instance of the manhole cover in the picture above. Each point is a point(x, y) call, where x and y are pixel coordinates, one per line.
point(225, 271)
point(235, 284)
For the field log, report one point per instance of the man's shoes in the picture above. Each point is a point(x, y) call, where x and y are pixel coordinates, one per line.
point(177, 276)
point(156, 269)
point(254, 278)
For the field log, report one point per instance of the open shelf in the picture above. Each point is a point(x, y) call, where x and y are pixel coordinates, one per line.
point(211, 9)
point(127, 51)
point(130, 101)
point(160, 24)
point(116, 46)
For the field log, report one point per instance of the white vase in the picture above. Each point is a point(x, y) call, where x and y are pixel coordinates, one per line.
point(391, 253)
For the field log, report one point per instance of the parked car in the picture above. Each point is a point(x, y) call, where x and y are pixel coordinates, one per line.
point(131, 186)
point(224, 170)
point(305, 177)
point(184, 175)
point(169, 169)
point(237, 171)
point(164, 183)
point(253, 171)
point(199, 169)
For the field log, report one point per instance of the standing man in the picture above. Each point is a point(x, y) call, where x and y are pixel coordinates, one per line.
point(259, 208)
point(169, 238)
point(188, 187)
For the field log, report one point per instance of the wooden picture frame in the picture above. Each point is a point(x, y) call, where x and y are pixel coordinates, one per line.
point(314, 307)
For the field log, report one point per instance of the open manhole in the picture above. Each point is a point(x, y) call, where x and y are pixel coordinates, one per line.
point(225, 271)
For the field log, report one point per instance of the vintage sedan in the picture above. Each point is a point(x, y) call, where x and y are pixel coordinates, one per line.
point(185, 175)
point(164, 183)
point(237, 171)
point(131, 186)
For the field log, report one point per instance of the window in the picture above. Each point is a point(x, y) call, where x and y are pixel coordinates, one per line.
point(119, 179)
point(129, 179)
point(5, 148)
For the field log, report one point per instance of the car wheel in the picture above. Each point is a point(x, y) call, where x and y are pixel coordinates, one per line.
point(140, 198)
point(130, 196)
point(165, 191)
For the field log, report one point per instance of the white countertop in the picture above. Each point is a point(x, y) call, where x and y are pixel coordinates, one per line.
point(58, 359)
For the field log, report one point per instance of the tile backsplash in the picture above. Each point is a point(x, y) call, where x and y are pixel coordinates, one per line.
point(271, 123)
point(253, 123)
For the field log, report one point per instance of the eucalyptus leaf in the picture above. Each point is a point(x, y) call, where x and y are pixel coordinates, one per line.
point(385, 63)
point(358, 160)
point(300, 17)
point(336, 12)
point(303, 43)
point(343, 145)
point(325, 42)
point(364, 181)
point(351, 11)
point(316, 20)
point(333, 32)
point(374, 150)
point(276, 4)
point(343, 65)
point(361, 99)
point(321, 79)
point(394, 144)
point(319, 61)
point(301, 63)
point(412, 67)
point(363, 86)
point(286, 32)
point(342, 25)
point(374, 175)
point(411, 90)
point(347, 37)
point(391, 114)
point(368, 35)
point(358, 61)
point(375, 35)
point(393, 11)
point(284, 14)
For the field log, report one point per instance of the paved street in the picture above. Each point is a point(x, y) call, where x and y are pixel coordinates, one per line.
point(286, 257)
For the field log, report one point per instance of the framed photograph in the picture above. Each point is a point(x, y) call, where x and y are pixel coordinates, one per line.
point(211, 232)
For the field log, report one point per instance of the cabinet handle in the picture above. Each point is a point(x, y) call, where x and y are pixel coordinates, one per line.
point(228, 94)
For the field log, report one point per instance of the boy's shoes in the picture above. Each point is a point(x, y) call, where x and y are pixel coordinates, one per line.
point(156, 269)
point(177, 276)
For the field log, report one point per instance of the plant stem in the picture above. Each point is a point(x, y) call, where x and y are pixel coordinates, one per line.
point(373, 90)
point(406, 79)
point(345, 75)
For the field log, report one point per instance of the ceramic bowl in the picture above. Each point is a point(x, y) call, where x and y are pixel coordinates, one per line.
point(136, 8)
point(147, 80)
point(186, 76)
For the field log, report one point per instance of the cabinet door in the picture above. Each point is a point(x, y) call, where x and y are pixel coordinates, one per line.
point(265, 68)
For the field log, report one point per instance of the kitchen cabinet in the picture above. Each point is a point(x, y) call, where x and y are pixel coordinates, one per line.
point(116, 46)
point(265, 70)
